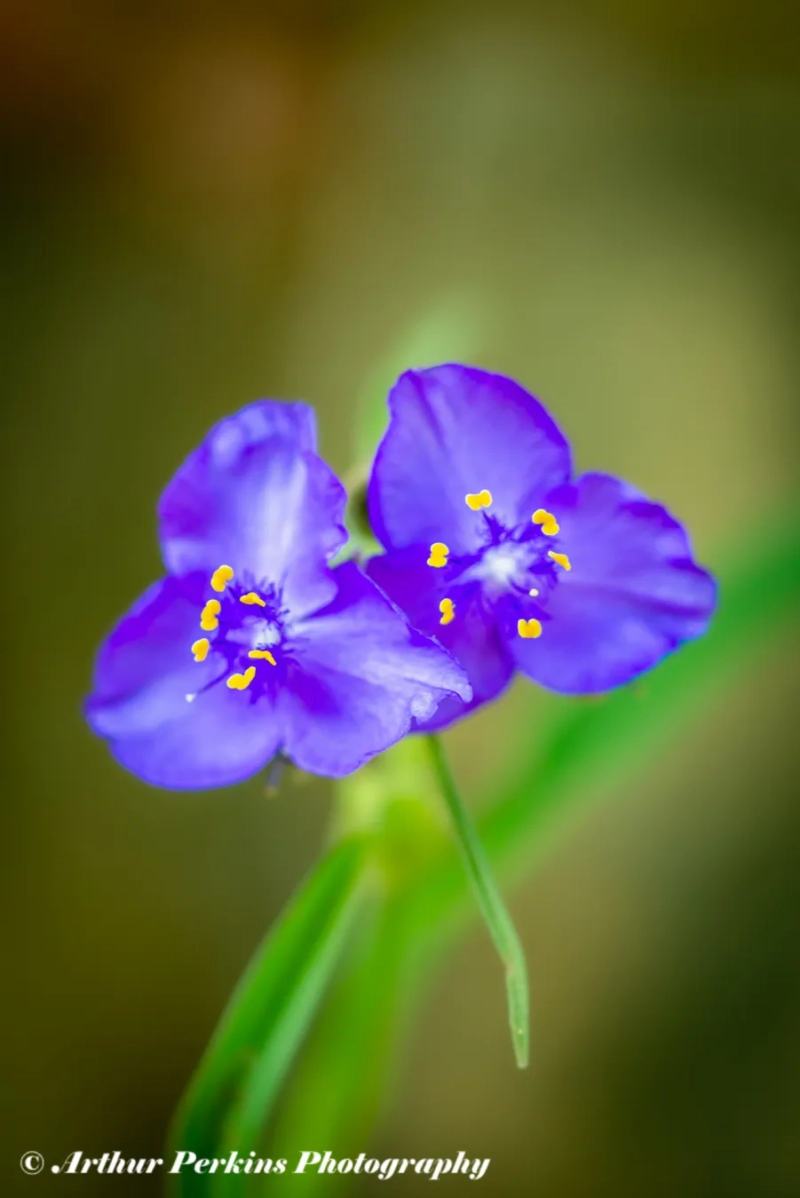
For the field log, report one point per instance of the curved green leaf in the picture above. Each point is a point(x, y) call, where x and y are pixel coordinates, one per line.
point(232, 1092)
point(339, 1084)
point(490, 901)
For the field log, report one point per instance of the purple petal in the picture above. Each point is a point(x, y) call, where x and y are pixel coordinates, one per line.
point(360, 676)
point(256, 497)
point(456, 430)
point(144, 672)
point(633, 594)
point(472, 637)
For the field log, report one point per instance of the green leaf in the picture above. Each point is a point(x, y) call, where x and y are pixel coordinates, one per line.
point(231, 1095)
point(494, 911)
point(340, 1081)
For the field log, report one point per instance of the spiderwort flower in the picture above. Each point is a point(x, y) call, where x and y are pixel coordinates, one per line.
point(252, 644)
point(491, 546)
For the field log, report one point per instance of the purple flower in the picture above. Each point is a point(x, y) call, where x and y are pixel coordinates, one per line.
point(252, 645)
point(492, 547)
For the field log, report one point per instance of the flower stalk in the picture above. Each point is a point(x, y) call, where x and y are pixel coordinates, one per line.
point(493, 909)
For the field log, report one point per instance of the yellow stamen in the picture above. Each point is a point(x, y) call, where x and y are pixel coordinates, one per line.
point(252, 598)
point(208, 616)
point(529, 629)
point(533, 592)
point(200, 648)
point(448, 610)
point(476, 502)
point(240, 682)
point(547, 520)
point(439, 552)
point(561, 558)
point(263, 653)
point(220, 576)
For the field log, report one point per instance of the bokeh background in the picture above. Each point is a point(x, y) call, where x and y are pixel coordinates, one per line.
point(206, 204)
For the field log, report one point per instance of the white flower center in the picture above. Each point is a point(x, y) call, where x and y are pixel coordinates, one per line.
point(256, 634)
point(502, 565)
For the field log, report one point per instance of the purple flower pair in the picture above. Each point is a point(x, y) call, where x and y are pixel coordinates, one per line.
point(495, 561)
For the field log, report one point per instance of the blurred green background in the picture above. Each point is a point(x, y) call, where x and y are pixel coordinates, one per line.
point(203, 205)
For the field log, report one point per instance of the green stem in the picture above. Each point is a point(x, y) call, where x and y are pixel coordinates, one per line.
point(493, 909)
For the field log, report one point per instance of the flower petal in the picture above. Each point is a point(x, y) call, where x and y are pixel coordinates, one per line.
point(455, 430)
point(633, 593)
point(360, 676)
point(256, 497)
point(144, 672)
point(472, 636)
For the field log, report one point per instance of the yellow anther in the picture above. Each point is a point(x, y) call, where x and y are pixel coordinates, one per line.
point(240, 682)
point(476, 502)
point(208, 616)
point(448, 610)
point(200, 648)
point(439, 552)
point(529, 629)
point(220, 576)
point(252, 598)
point(533, 592)
point(547, 520)
point(561, 558)
point(263, 653)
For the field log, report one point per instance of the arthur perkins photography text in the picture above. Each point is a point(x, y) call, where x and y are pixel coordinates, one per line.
point(308, 1162)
